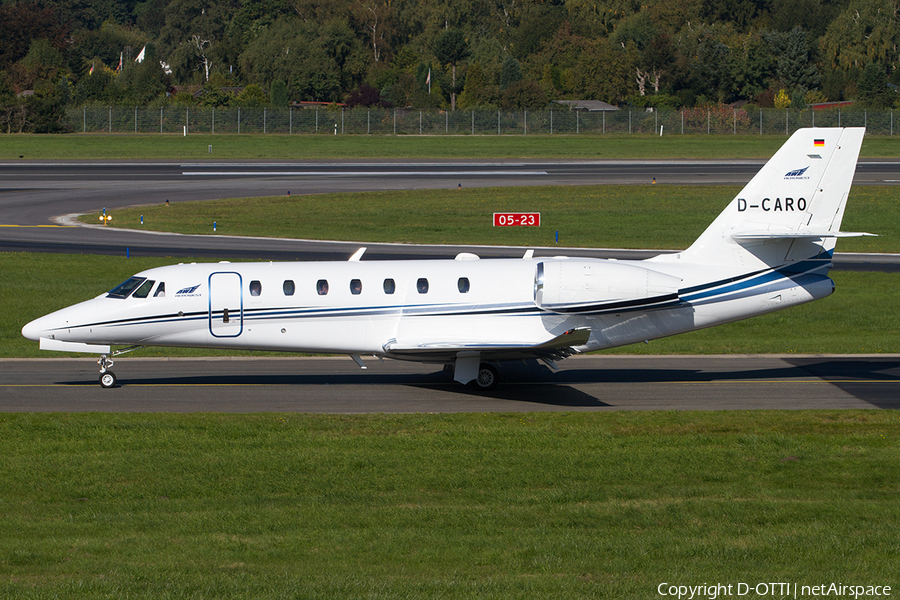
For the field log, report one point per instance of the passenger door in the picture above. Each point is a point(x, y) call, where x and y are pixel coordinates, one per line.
point(226, 305)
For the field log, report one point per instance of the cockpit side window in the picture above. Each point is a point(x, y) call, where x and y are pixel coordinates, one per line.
point(144, 290)
point(124, 289)
point(160, 290)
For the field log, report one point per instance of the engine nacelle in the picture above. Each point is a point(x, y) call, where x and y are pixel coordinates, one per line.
point(584, 286)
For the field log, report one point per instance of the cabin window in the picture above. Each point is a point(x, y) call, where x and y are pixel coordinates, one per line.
point(463, 285)
point(255, 288)
point(322, 287)
point(422, 285)
point(144, 290)
point(288, 287)
point(160, 290)
point(124, 289)
point(355, 287)
point(389, 286)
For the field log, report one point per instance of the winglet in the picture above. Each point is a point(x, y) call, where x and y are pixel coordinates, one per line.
point(357, 255)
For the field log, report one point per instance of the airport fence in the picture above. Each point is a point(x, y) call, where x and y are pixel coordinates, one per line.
point(377, 121)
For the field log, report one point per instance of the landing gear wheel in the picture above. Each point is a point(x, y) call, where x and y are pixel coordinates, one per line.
point(487, 377)
point(108, 379)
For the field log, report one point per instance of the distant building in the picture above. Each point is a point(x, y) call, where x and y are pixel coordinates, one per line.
point(827, 105)
point(311, 104)
point(588, 105)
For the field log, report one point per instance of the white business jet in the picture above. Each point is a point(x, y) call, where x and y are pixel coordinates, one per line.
point(770, 249)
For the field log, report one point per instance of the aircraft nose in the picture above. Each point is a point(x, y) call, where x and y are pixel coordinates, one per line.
point(33, 330)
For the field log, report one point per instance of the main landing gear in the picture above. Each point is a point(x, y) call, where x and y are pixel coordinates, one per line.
point(487, 377)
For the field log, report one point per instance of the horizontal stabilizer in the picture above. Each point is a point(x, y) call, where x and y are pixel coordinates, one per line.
point(558, 347)
point(784, 235)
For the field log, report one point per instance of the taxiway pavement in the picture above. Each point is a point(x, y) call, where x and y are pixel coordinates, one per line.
point(336, 385)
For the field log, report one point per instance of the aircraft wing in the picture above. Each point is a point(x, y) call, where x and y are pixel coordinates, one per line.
point(555, 348)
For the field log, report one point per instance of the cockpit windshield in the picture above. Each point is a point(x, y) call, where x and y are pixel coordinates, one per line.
point(144, 290)
point(124, 289)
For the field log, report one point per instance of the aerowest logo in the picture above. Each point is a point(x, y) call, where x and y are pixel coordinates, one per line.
point(188, 292)
point(798, 174)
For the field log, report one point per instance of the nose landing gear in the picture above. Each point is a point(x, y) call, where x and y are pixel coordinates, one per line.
point(107, 377)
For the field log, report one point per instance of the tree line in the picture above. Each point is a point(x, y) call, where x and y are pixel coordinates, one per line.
point(442, 54)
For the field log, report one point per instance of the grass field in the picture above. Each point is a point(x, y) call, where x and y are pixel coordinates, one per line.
point(312, 147)
point(853, 320)
point(600, 216)
point(444, 506)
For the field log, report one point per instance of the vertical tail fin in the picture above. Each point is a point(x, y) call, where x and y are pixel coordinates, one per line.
point(792, 208)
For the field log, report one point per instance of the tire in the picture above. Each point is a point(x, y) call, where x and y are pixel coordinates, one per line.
point(107, 380)
point(487, 377)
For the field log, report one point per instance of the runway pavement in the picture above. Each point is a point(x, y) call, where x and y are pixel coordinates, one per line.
point(33, 196)
point(33, 193)
point(337, 385)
